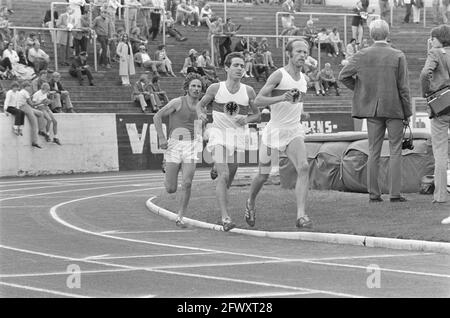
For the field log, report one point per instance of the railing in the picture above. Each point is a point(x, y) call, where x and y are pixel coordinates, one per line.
point(311, 14)
point(55, 49)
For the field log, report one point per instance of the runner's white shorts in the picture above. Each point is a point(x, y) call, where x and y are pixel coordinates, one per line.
point(279, 137)
point(231, 139)
point(183, 151)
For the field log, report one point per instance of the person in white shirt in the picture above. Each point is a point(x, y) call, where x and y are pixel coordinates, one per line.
point(41, 101)
point(132, 9)
point(25, 104)
point(38, 57)
point(195, 14)
point(336, 41)
point(143, 58)
point(205, 14)
point(11, 107)
point(351, 48)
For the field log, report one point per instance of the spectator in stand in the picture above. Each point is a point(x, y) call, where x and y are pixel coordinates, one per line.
point(80, 67)
point(76, 8)
point(215, 28)
point(328, 80)
point(38, 81)
point(225, 42)
point(310, 34)
point(47, 22)
point(41, 101)
point(325, 43)
point(20, 42)
point(160, 95)
point(20, 71)
point(183, 13)
point(242, 45)
point(408, 5)
point(351, 48)
point(25, 104)
point(248, 60)
point(142, 58)
point(11, 107)
point(81, 38)
point(38, 57)
point(170, 28)
point(155, 15)
point(206, 13)
point(287, 20)
point(360, 10)
point(254, 44)
point(6, 70)
point(264, 45)
point(336, 42)
point(161, 56)
point(61, 97)
point(190, 64)
point(259, 65)
point(194, 16)
point(104, 28)
point(417, 5)
point(142, 95)
point(136, 39)
point(111, 8)
point(131, 13)
point(126, 66)
point(314, 80)
point(205, 65)
point(65, 21)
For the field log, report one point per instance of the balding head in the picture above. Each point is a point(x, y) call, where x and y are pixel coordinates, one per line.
point(379, 30)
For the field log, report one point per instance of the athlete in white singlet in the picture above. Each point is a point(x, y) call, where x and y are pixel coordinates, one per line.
point(227, 132)
point(184, 144)
point(284, 92)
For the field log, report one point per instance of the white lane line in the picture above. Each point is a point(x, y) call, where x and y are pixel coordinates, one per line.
point(263, 284)
point(141, 175)
point(96, 256)
point(42, 290)
point(368, 256)
point(259, 295)
point(82, 189)
point(156, 255)
point(23, 206)
point(143, 232)
point(100, 271)
point(136, 268)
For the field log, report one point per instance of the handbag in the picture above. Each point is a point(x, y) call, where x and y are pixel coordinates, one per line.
point(439, 101)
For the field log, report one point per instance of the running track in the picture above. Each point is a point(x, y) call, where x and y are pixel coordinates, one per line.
point(100, 225)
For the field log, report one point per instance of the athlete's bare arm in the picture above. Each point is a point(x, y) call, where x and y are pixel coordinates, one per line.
point(206, 100)
point(265, 97)
point(171, 107)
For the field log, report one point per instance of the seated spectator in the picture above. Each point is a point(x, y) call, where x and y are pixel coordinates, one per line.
point(136, 39)
point(171, 30)
point(325, 43)
point(142, 58)
point(264, 45)
point(254, 44)
point(194, 16)
point(6, 69)
point(20, 71)
point(205, 14)
point(328, 80)
point(314, 81)
point(259, 65)
point(38, 81)
point(80, 67)
point(204, 63)
point(183, 13)
point(310, 34)
point(241, 46)
point(20, 42)
point(11, 107)
point(61, 98)
point(336, 41)
point(248, 60)
point(26, 105)
point(190, 64)
point(142, 95)
point(351, 48)
point(161, 96)
point(364, 44)
point(161, 55)
point(41, 102)
point(38, 57)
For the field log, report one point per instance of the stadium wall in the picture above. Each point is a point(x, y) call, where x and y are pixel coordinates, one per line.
point(373, 4)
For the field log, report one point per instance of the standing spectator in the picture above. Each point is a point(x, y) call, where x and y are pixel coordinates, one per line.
point(170, 28)
point(381, 95)
point(229, 29)
point(408, 5)
point(131, 13)
point(38, 57)
point(384, 9)
point(416, 6)
point(60, 95)
point(41, 102)
point(141, 94)
point(111, 8)
point(81, 38)
point(76, 5)
point(215, 28)
point(79, 67)
point(287, 20)
point(126, 66)
point(161, 55)
point(47, 22)
point(25, 104)
point(11, 107)
point(65, 21)
point(358, 20)
point(103, 27)
point(155, 15)
point(328, 80)
point(310, 34)
point(248, 60)
point(434, 75)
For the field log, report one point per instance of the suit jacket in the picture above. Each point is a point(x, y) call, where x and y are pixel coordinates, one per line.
point(139, 89)
point(435, 73)
point(378, 75)
point(58, 84)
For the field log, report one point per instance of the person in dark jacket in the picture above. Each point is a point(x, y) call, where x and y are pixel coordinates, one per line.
point(79, 67)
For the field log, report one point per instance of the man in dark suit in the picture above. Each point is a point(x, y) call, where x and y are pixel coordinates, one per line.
point(79, 67)
point(378, 75)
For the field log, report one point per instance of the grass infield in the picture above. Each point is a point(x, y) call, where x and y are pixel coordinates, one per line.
point(331, 211)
